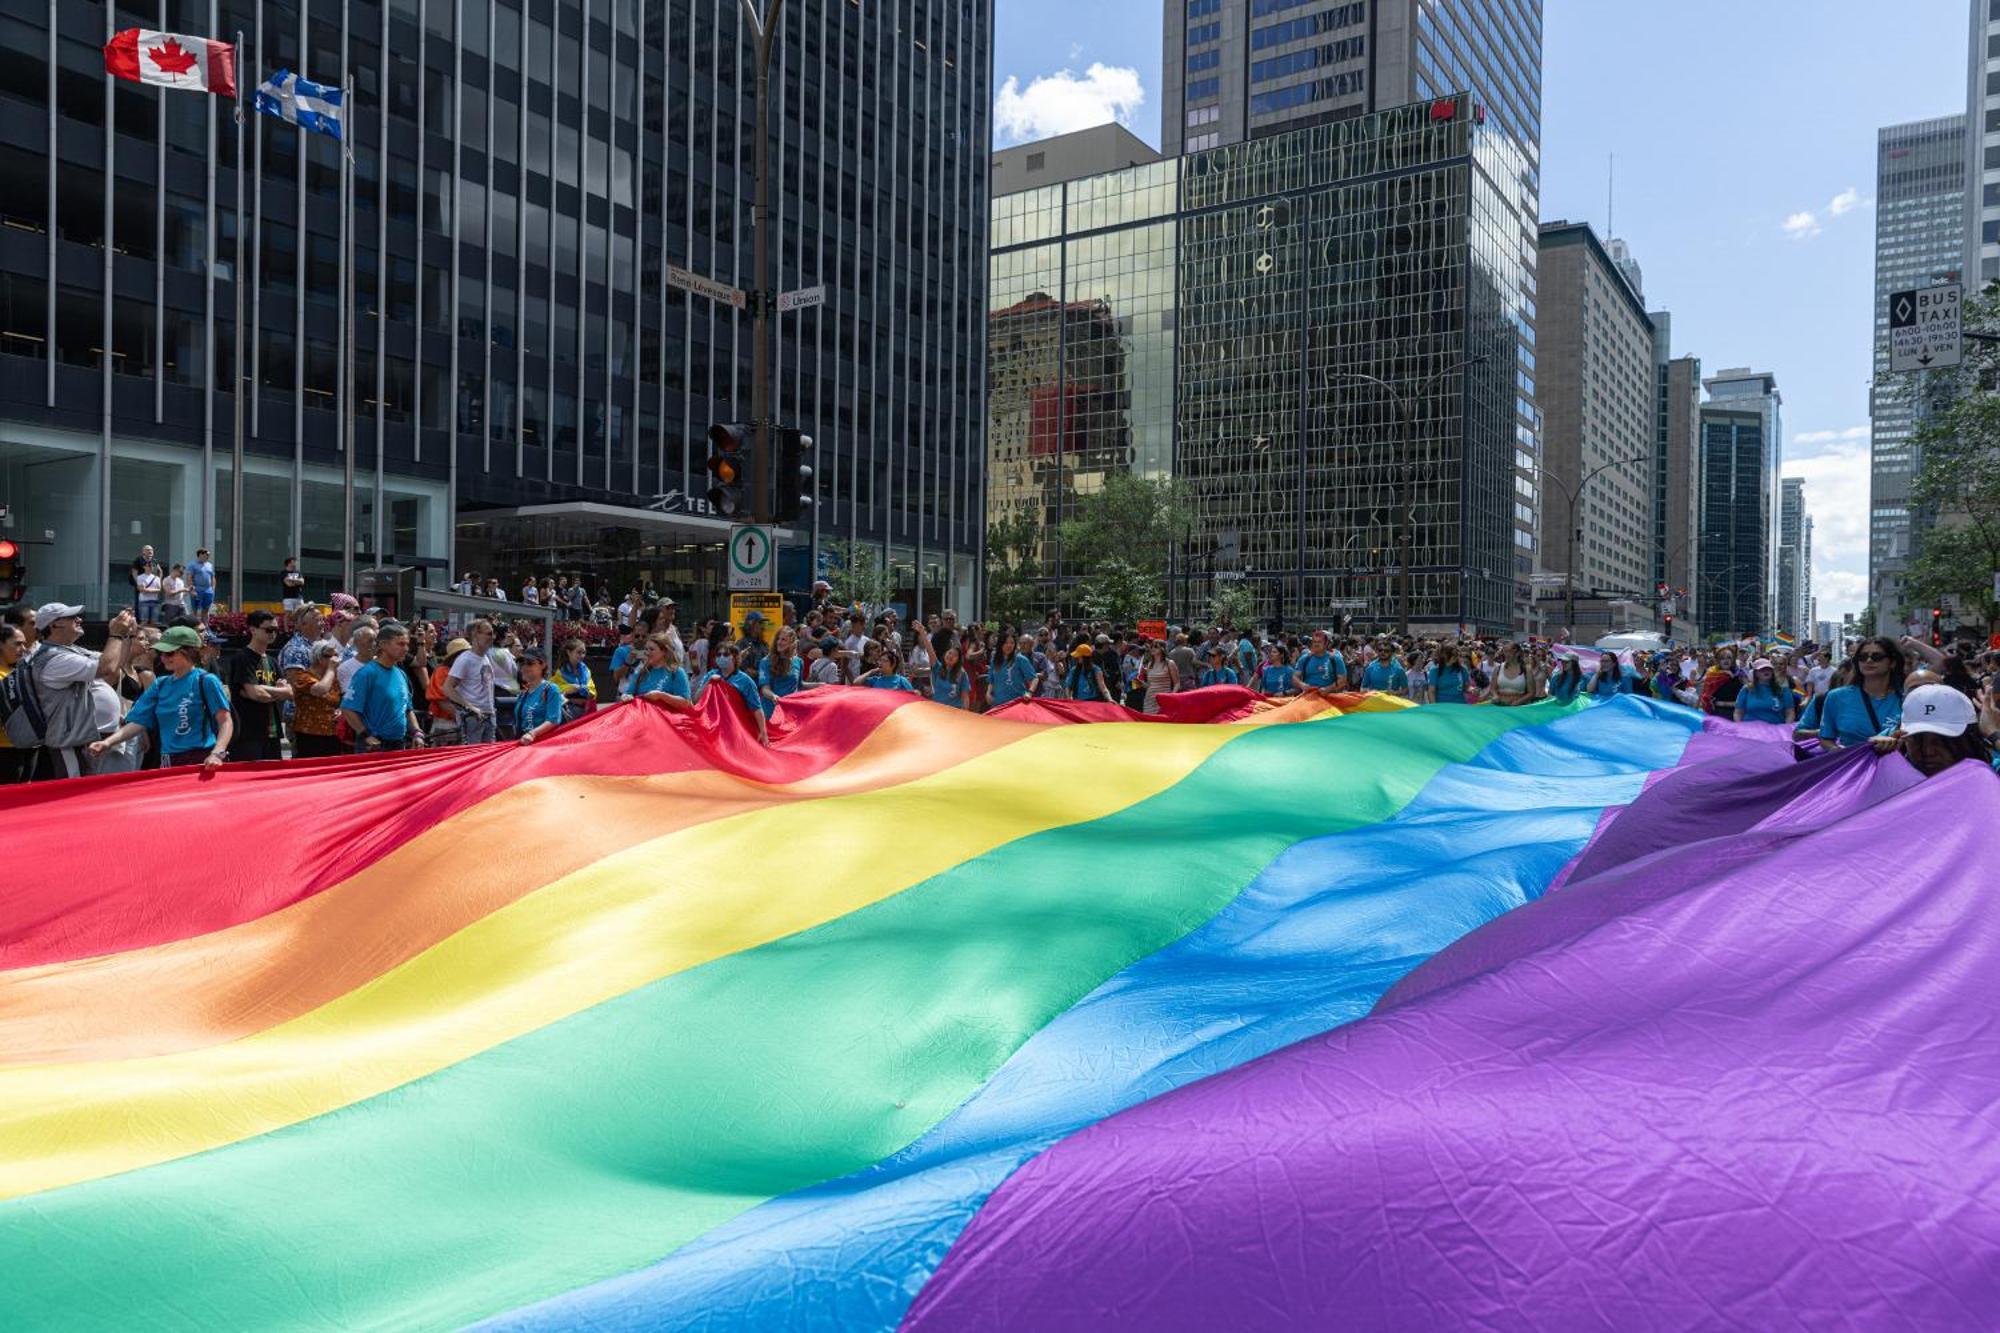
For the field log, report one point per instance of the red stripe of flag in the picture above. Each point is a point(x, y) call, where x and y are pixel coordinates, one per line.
point(170, 60)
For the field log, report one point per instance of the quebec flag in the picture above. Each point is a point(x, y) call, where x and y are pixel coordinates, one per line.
point(310, 106)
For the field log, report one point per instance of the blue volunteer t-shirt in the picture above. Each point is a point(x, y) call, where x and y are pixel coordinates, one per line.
point(620, 655)
point(1450, 683)
point(1761, 703)
point(1246, 658)
point(897, 682)
point(740, 682)
point(1275, 678)
point(1011, 678)
point(1381, 675)
point(1219, 676)
point(950, 687)
point(542, 704)
point(1844, 715)
point(1320, 670)
point(1604, 684)
point(201, 576)
point(182, 709)
point(1082, 684)
point(667, 680)
point(1564, 688)
point(780, 683)
point(381, 696)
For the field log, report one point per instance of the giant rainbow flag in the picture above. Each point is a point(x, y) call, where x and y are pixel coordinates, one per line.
point(1338, 1014)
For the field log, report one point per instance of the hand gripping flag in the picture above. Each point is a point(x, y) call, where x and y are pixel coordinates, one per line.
point(172, 61)
point(308, 105)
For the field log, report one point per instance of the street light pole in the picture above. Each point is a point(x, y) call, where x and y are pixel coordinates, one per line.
point(1405, 431)
point(764, 28)
point(1575, 497)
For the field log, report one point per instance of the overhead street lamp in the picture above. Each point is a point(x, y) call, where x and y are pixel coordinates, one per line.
point(1575, 497)
point(1405, 425)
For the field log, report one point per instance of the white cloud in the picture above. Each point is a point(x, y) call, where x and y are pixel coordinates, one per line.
point(1800, 226)
point(1061, 102)
point(1846, 201)
point(1812, 437)
point(1836, 478)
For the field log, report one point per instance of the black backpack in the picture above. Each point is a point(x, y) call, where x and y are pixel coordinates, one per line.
point(21, 707)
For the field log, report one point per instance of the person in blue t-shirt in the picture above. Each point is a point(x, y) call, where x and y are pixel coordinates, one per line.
point(201, 582)
point(1084, 680)
point(728, 673)
point(1567, 682)
point(1609, 678)
point(1274, 678)
point(950, 682)
point(1246, 657)
point(1218, 671)
point(886, 673)
point(1013, 675)
point(781, 672)
point(1322, 668)
point(188, 707)
point(377, 702)
point(659, 676)
point(538, 709)
point(624, 658)
point(1385, 672)
point(1764, 699)
point(1873, 705)
point(1449, 677)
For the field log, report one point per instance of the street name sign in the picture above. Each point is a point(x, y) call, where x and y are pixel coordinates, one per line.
point(1924, 332)
point(709, 287)
point(751, 566)
point(802, 299)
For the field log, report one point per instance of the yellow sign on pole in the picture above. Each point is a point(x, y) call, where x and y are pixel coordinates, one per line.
point(770, 605)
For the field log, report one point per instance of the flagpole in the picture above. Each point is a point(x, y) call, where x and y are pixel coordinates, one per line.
point(347, 344)
point(236, 363)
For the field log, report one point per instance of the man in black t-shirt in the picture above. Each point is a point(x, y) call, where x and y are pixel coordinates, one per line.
point(256, 692)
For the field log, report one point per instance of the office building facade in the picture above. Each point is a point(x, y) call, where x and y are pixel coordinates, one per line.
point(1676, 543)
point(1920, 239)
point(1734, 565)
point(1757, 390)
point(1979, 240)
point(1794, 587)
point(1237, 70)
point(531, 393)
point(1600, 399)
point(1250, 319)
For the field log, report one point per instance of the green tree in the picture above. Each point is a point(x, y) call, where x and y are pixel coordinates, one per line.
point(1012, 569)
point(1233, 605)
point(1119, 542)
point(859, 576)
point(1957, 486)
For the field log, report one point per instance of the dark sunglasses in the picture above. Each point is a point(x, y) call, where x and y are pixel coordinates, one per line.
point(1871, 657)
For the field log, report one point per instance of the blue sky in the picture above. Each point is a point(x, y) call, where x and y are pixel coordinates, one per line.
point(1730, 121)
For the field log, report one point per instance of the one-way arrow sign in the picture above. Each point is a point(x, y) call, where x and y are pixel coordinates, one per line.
point(1924, 327)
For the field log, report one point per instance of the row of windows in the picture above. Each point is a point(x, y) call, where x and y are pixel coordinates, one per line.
point(1201, 90)
point(1202, 8)
point(1203, 115)
point(1312, 57)
point(1309, 25)
point(1198, 61)
point(1351, 83)
point(1204, 32)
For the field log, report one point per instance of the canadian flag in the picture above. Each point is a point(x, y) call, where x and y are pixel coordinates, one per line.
point(172, 61)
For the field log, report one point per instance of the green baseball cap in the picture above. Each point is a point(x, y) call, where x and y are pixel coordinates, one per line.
point(180, 636)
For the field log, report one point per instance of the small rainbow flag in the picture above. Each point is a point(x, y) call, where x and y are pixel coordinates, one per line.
point(1055, 1017)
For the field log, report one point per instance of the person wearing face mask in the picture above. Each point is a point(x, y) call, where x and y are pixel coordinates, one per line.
point(727, 671)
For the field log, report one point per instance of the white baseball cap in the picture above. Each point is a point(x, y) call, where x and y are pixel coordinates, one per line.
point(49, 613)
point(1938, 710)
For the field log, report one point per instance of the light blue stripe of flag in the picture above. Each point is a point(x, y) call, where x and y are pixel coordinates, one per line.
point(308, 105)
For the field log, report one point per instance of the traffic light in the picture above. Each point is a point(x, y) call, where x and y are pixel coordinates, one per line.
point(729, 469)
point(1670, 626)
point(1937, 627)
point(794, 475)
point(13, 572)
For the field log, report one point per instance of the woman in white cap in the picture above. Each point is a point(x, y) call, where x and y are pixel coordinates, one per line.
point(1940, 728)
point(1765, 698)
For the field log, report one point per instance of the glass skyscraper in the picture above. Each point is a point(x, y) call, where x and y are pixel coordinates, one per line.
point(531, 392)
point(1224, 317)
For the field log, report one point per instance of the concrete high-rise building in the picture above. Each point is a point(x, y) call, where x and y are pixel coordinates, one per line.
point(1733, 569)
point(532, 392)
point(1600, 399)
point(1676, 463)
point(1068, 157)
point(1793, 602)
point(1240, 70)
point(1920, 231)
point(1251, 319)
point(1980, 237)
